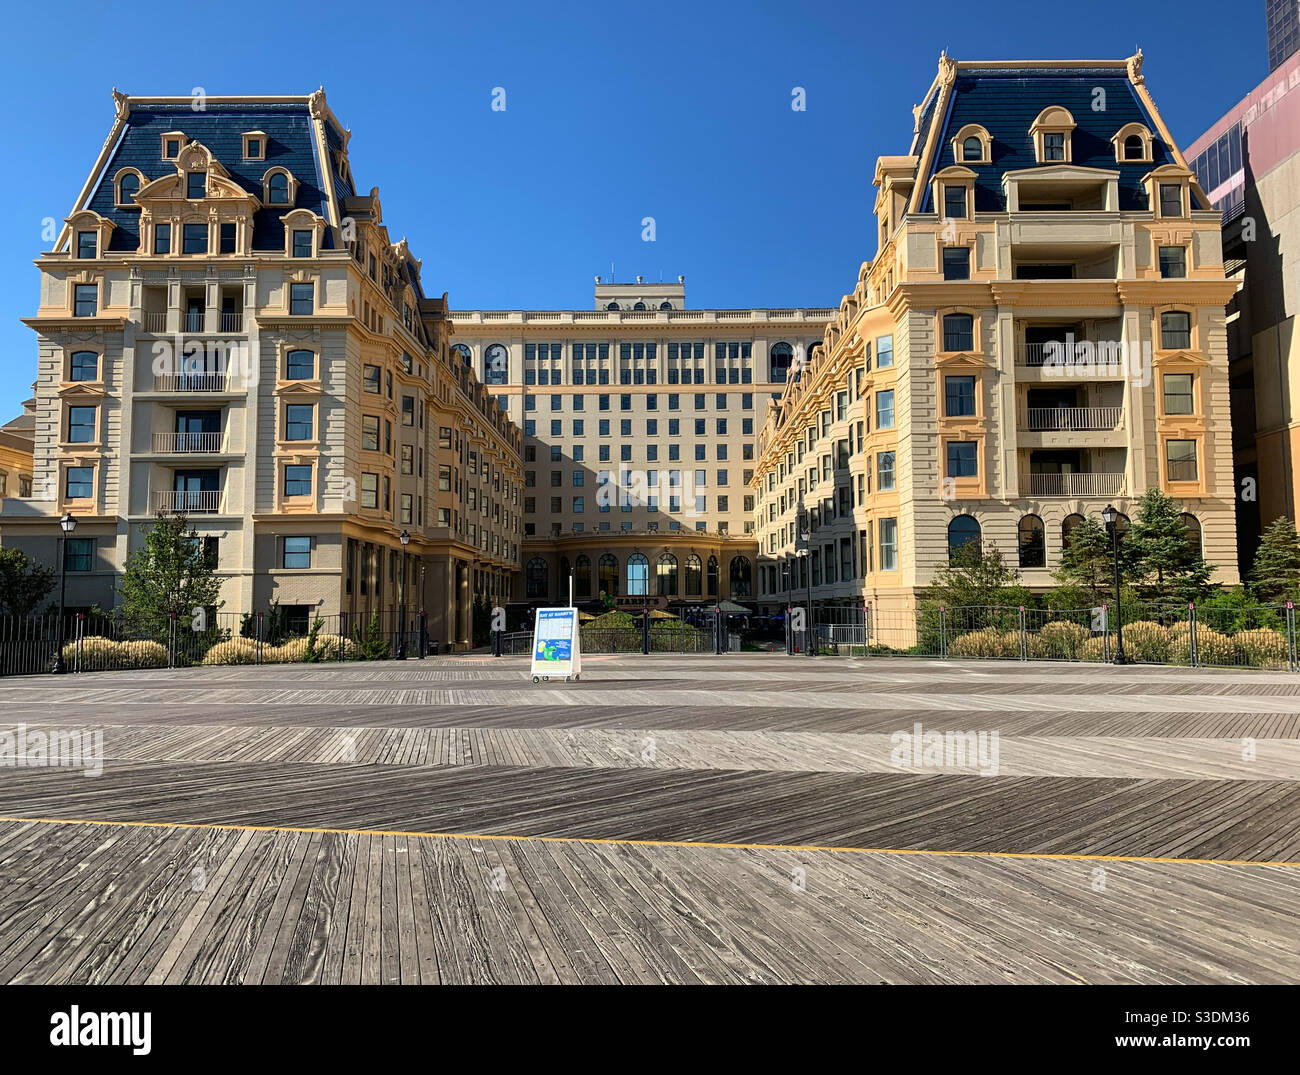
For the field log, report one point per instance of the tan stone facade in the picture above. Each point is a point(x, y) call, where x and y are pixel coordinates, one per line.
point(1038, 335)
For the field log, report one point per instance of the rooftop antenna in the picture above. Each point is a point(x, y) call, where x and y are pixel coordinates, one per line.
point(611, 272)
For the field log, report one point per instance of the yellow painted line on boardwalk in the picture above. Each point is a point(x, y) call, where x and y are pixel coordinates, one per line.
point(642, 843)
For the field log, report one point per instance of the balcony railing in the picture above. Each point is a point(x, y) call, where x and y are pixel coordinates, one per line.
point(187, 501)
point(232, 322)
point(1073, 419)
point(155, 322)
point(1098, 485)
point(199, 381)
point(1039, 354)
point(187, 442)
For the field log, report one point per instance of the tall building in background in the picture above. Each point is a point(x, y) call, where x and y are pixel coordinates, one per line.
point(17, 444)
point(640, 420)
point(1249, 165)
point(1040, 334)
point(227, 330)
point(1282, 20)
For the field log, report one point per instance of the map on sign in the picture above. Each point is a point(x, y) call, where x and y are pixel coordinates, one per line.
point(557, 646)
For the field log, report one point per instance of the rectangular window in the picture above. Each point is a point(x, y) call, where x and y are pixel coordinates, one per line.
point(370, 382)
point(888, 544)
point(1171, 199)
point(884, 351)
point(1053, 146)
point(954, 201)
point(194, 239)
point(302, 298)
point(1178, 393)
point(297, 552)
point(298, 421)
point(81, 425)
point(956, 263)
point(885, 409)
point(408, 410)
point(84, 366)
point(196, 184)
point(79, 483)
point(87, 244)
point(959, 396)
point(85, 298)
point(301, 243)
point(1180, 460)
point(227, 239)
point(407, 504)
point(162, 238)
point(370, 433)
point(885, 472)
point(78, 554)
point(962, 461)
point(301, 365)
point(1173, 262)
point(297, 480)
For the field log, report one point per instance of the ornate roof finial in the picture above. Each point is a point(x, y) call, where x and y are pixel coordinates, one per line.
point(947, 68)
point(1135, 68)
point(122, 103)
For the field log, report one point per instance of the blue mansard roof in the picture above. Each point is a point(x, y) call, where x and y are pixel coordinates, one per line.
point(290, 143)
point(1006, 101)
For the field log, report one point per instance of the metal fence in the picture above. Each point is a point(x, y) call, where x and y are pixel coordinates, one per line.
point(1256, 636)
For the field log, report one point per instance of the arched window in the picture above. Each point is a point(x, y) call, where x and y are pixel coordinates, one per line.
point(1068, 526)
point(1175, 330)
point(666, 575)
point(962, 531)
point(495, 364)
point(1033, 542)
point(742, 577)
point(462, 352)
point(638, 575)
point(779, 359)
point(958, 332)
point(1193, 525)
point(694, 575)
point(582, 576)
point(972, 149)
point(665, 306)
point(536, 579)
point(639, 306)
point(277, 188)
point(1134, 148)
point(608, 574)
point(611, 306)
point(127, 188)
point(711, 578)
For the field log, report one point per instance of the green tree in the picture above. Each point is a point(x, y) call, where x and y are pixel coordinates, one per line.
point(1088, 561)
point(24, 584)
point(977, 575)
point(1275, 574)
point(1164, 556)
point(167, 575)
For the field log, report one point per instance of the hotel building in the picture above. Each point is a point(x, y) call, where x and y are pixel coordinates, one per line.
point(1040, 333)
point(640, 419)
point(226, 329)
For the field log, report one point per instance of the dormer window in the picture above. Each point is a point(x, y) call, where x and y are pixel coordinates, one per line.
point(279, 187)
point(1171, 199)
point(196, 184)
point(972, 145)
point(954, 200)
point(302, 241)
point(128, 185)
point(87, 244)
point(254, 146)
point(1132, 144)
point(1052, 132)
point(172, 144)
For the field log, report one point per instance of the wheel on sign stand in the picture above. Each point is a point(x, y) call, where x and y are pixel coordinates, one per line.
point(576, 678)
point(536, 679)
point(568, 679)
point(546, 679)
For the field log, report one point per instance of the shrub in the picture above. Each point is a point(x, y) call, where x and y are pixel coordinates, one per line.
point(236, 651)
point(1211, 646)
point(293, 651)
point(141, 654)
point(1265, 648)
point(96, 652)
point(1093, 649)
point(1146, 642)
point(327, 648)
point(1062, 639)
point(986, 642)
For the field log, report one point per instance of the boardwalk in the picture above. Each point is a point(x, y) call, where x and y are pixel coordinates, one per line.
point(668, 819)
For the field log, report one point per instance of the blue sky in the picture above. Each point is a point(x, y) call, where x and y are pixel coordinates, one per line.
point(614, 112)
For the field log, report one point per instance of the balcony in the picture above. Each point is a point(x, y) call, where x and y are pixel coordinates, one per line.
point(1073, 419)
point(232, 322)
point(155, 322)
point(187, 442)
point(198, 381)
point(187, 501)
point(1075, 484)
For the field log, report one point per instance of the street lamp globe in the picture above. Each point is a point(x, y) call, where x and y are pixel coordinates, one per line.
point(1109, 515)
point(68, 523)
point(404, 537)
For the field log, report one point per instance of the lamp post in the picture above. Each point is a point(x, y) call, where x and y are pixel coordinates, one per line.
point(803, 547)
point(404, 538)
point(1110, 517)
point(67, 524)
